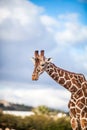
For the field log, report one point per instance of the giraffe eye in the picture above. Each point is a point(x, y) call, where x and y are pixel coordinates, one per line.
point(42, 65)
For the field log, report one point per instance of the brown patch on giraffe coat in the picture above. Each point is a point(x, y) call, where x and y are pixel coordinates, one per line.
point(84, 88)
point(75, 81)
point(73, 111)
point(80, 104)
point(84, 85)
point(73, 123)
point(78, 110)
point(73, 89)
point(61, 81)
point(55, 70)
point(56, 77)
point(76, 77)
point(71, 104)
point(60, 72)
point(72, 97)
point(67, 84)
point(84, 112)
point(66, 76)
point(51, 66)
point(83, 123)
point(83, 100)
point(51, 71)
point(71, 75)
point(81, 78)
point(86, 102)
point(78, 94)
point(53, 75)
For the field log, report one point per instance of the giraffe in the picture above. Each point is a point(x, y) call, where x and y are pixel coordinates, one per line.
point(75, 83)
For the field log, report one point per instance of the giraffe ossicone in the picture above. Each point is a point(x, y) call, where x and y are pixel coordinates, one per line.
point(73, 82)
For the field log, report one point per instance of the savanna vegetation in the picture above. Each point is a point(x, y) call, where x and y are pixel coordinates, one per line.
point(41, 121)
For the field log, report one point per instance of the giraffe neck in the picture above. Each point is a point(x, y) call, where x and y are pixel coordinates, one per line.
point(67, 79)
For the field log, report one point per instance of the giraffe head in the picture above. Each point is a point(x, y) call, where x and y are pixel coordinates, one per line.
point(40, 63)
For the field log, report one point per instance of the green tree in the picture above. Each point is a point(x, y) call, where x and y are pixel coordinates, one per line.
point(41, 110)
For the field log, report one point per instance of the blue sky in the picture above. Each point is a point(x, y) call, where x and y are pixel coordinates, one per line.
point(54, 8)
point(57, 26)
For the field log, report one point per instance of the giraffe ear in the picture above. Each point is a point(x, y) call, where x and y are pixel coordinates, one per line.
point(33, 60)
point(48, 60)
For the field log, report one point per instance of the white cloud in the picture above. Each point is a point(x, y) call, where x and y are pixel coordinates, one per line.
point(26, 20)
point(50, 23)
point(72, 35)
point(66, 29)
point(80, 58)
point(20, 15)
point(72, 31)
point(69, 17)
point(19, 20)
point(36, 95)
point(4, 13)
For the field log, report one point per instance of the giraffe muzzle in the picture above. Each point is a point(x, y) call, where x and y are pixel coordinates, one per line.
point(34, 77)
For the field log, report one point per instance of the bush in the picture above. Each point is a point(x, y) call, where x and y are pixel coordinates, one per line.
point(35, 122)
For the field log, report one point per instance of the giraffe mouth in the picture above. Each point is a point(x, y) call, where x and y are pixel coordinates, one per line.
point(34, 77)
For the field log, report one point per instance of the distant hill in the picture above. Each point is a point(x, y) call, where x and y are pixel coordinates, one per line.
point(5, 105)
